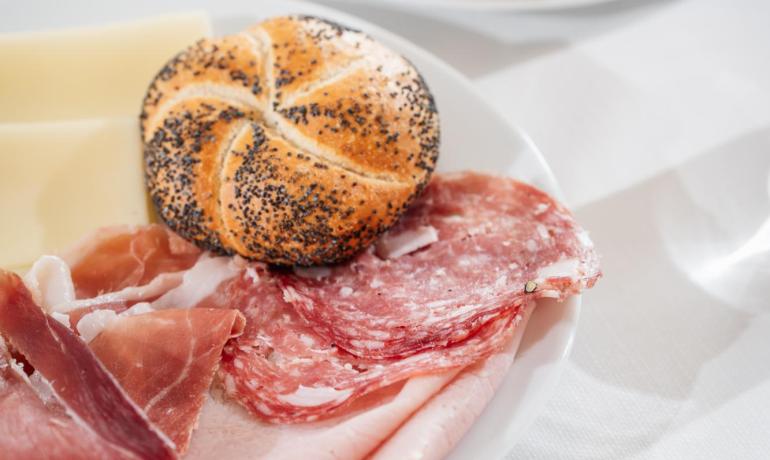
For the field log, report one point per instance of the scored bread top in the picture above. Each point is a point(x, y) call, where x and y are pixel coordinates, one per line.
point(297, 141)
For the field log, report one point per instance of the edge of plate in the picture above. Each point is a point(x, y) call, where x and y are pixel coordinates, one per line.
point(487, 5)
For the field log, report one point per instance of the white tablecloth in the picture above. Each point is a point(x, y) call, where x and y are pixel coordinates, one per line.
point(655, 117)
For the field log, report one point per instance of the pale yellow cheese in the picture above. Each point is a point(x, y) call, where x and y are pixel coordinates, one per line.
point(89, 72)
point(61, 180)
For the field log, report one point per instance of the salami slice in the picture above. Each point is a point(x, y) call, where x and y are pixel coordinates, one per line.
point(281, 370)
point(500, 244)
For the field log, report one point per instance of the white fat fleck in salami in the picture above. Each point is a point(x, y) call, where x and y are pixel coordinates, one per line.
point(393, 245)
point(500, 243)
point(312, 272)
point(563, 268)
point(309, 397)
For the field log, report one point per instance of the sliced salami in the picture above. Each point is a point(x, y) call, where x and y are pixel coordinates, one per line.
point(500, 244)
point(281, 370)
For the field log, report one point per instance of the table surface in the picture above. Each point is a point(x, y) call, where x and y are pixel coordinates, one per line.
point(655, 117)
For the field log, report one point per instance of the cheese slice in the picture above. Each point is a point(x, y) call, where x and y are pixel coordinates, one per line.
point(60, 180)
point(89, 72)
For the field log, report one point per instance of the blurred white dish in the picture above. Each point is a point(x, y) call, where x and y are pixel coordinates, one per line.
point(473, 135)
point(489, 5)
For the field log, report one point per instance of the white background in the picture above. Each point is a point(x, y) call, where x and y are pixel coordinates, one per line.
point(655, 117)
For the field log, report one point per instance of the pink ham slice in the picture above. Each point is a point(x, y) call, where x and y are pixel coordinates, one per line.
point(119, 257)
point(78, 380)
point(501, 244)
point(433, 431)
point(227, 431)
point(283, 371)
point(165, 360)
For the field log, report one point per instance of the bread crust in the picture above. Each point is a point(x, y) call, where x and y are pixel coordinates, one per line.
point(296, 142)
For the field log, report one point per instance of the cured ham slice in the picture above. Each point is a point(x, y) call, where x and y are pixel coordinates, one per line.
point(283, 371)
point(80, 383)
point(228, 431)
point(34, 425)
point(127, 296)
point(167, 290)
point(50, 284)
point(165, 360)
point(115, 258)
point(112, 269)
point(432, 432)
point(501, 244)
point(200, 281)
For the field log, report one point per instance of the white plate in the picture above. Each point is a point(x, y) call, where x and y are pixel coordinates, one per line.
point(473, 136)
point(488, 5)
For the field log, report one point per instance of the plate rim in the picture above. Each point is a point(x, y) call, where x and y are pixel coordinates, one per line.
point(486, 5)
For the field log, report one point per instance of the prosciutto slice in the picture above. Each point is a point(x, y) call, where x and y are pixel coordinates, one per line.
point(120, 257)
point(283, 371)
point(34, 425)
point(501, 244)
point(165, 360)
point(167, 290)
point(80, 383)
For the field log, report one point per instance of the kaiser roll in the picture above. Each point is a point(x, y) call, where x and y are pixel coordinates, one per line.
point(295, 142)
